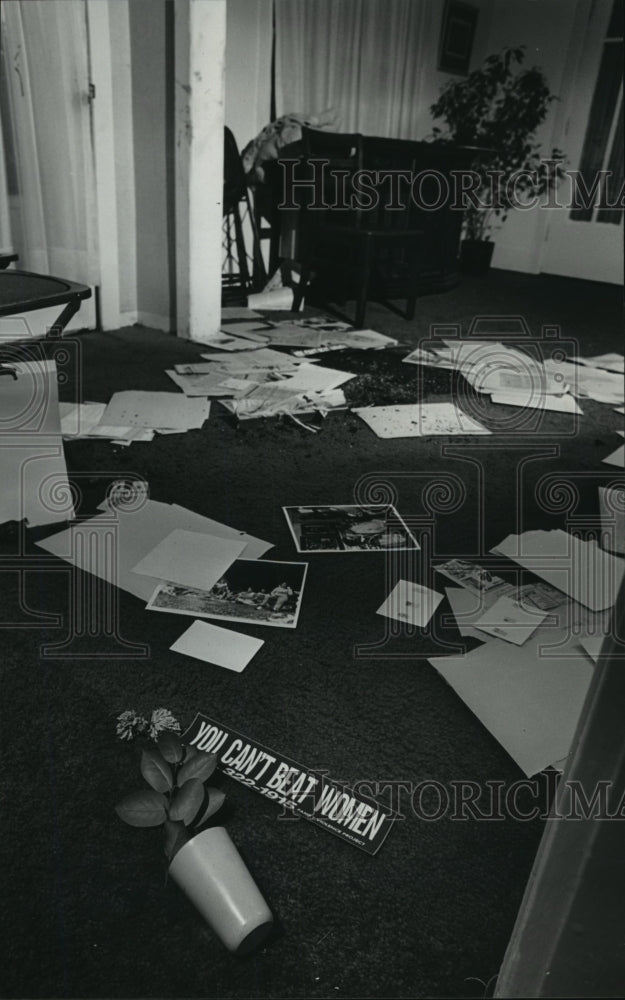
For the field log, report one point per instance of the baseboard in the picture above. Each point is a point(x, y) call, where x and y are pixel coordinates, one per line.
point(153, 320)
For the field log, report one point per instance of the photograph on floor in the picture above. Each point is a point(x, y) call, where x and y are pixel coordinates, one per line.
point(254, 591)
point(349, 528)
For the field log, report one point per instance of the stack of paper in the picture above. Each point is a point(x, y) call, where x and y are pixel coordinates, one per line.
point(112, 544)
point(584, 380)
point(508, 375)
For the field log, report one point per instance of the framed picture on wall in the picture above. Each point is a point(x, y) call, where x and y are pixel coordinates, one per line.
point(457, 34)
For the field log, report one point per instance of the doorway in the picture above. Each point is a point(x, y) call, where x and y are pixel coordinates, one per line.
point(47, 137)
point(585, 239)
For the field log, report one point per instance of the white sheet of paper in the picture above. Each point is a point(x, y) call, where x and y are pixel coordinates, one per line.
point(611, 362)
point(575, 567)
point(531, 400)
point(410, 602)
point(530, 704)
point(125, 434)
point(33, 474)
point(190, 559)
point(616, 458)
point(276, 298)
point(109, 545)
point(155, 409)
point(78, 419)
point(314, 378)
point(619, 409)
point(418, 420)
point(507, 620)
point(220, 646)
point(238, 312)
point(262, 357)
point(245, 326)
point(592, 644)
point(467, 607)
point(612, 511)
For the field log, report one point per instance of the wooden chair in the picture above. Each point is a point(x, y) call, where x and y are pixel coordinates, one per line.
point(236, 279)
point(351, 240)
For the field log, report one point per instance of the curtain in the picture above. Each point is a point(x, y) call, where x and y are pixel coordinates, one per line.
point(46, 131)
point(367, 59)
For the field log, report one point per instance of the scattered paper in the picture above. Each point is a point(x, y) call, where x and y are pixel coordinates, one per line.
point(616, 458)
point(530, 704)
point(220, 646)
point(78, 419)
point(238, 312)
point(419, 420)
point(612, 511)
point(277, 298)
point(348, 528)
point(562, 404)
point(411, 603)
point(190, 559)
point(611, 362)
point(467, 607)
point(472, 576)
point(155, 409)
point(110, 544)
point(510, 621)
point(257, 592)
point(580, 569)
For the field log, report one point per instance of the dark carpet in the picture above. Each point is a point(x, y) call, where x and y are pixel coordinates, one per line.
point(86, 909)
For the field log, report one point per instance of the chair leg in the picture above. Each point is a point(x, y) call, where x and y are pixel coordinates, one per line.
point(300, 289)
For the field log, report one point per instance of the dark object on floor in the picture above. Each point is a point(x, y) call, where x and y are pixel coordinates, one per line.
point(237, 279)
point(346, 243)
point(475, 256)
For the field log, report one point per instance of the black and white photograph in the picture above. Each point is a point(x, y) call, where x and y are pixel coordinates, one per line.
point(312, 499)
point(349, 528)
point(256, 591)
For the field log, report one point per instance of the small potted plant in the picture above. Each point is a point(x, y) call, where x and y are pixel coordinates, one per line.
point(498, 108)
point(205, 863)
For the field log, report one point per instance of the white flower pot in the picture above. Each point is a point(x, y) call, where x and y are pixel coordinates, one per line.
point(210, 870)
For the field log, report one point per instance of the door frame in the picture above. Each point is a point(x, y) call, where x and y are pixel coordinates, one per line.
point(587, 36)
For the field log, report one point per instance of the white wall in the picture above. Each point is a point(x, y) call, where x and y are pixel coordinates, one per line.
point(545, 28)
point(248, 67)
point(151, 106)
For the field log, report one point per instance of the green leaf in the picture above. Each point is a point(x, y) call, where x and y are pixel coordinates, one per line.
point(144, 808)
point(156, 770)
point(200, 767)
point(215, 801)
point(170, 747)
point(187, 801)
point(175, 837)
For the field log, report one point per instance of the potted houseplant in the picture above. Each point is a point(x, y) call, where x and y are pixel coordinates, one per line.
point(203, 861)
point(498, 109)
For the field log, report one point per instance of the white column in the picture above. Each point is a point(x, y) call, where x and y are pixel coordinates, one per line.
point(200, 44)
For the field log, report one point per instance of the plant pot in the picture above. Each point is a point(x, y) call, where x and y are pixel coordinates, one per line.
point(475, 256)
point(212, 873)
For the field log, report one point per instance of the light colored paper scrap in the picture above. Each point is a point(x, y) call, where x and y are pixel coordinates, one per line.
point(510, 621)
point(220, 646)
point(190, 559)
point(576, 567)
point(419, 420)
point(411, 603)
point(616, 458)
point(155, 409)
point(530, 704)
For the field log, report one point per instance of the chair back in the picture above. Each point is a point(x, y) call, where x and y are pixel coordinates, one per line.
point(331, 159)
